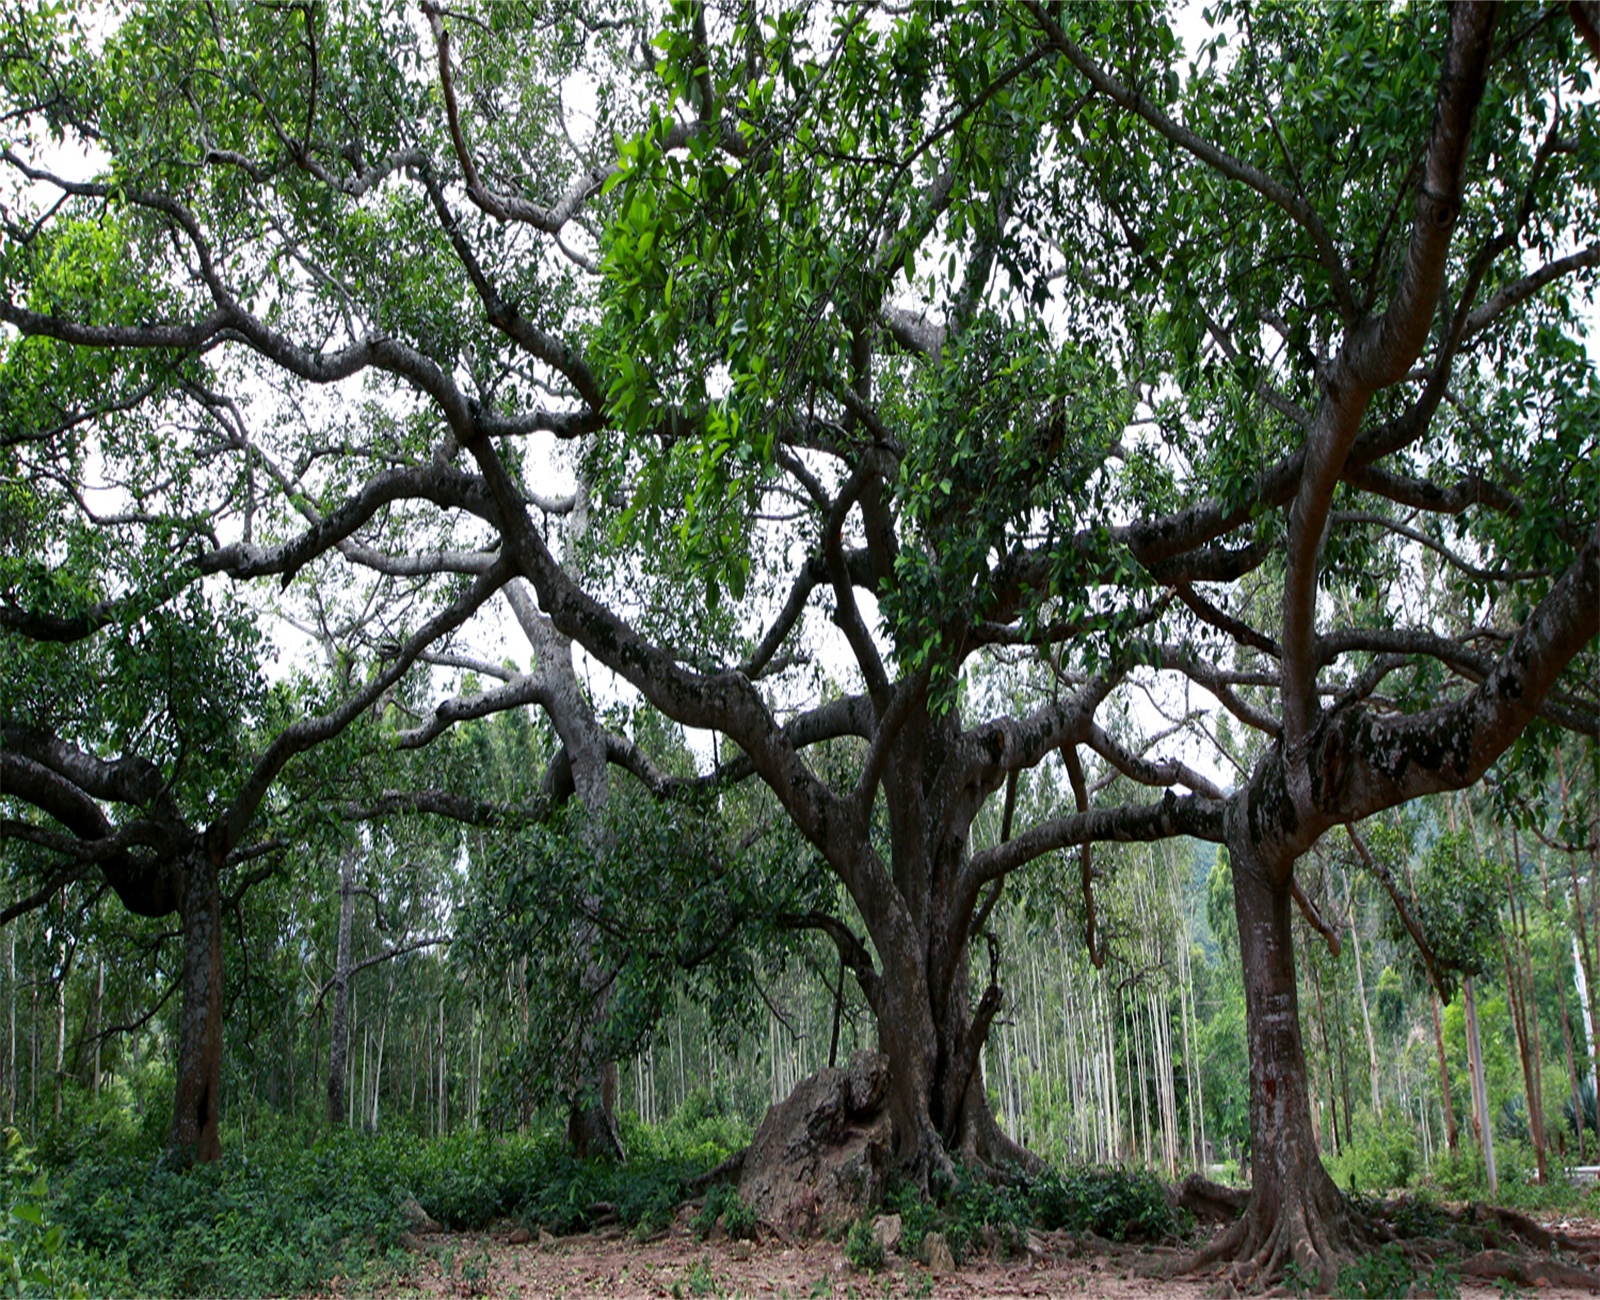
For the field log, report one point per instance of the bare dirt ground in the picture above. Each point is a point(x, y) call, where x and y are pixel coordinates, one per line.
point(611, 1263)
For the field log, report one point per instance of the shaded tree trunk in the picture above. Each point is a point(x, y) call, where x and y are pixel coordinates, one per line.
point(197, 1106)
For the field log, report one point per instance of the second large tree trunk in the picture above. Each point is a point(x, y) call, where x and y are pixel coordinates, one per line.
point(197, 1104)
point(1295, 1214)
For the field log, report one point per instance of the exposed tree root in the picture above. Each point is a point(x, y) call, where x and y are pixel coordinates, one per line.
point(1529, 1272)
point(986, 1146)
point(1315, 1234)
point(1536, 1234)
point(1208, 1201)
point(1257, 1249)
point(726, 1172)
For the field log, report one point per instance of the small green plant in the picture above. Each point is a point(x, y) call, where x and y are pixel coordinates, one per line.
point(1115, 1203)
point(698, 1281)
point(723, 1202)
point(32, 1248)
point(740, 1220)
point(1383, 1272)
point(862, 1247)
point(1443, 1281)
point(1297, 1280)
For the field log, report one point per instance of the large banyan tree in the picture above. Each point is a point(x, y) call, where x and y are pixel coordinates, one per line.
point(817, 369)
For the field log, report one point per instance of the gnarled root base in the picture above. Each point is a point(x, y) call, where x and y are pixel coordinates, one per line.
point(1319, 1236)
point(1315, 1230)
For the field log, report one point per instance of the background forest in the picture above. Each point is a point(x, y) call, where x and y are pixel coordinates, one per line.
point(1136, 1064)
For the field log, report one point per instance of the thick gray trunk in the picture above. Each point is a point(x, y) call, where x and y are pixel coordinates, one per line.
point(197, 1106)
point(1296, 1214)
point(591, 1086)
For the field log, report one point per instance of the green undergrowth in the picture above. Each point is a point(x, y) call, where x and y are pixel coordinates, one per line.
point(978, 1216)
point(277, 1217)
point(1383, 1161)
point(1386, 1272)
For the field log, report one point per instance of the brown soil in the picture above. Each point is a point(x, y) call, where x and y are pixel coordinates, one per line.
point(610, 1262)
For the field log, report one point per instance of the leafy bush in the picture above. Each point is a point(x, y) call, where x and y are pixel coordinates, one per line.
point(723, 1202)
point(1115, 1203)
point(707, 1128)
point(862, 1247)
point(1388, 1272)
point(976, 1213)
point(1382, 1156)
point(1460, 1177)
point(280, 1217)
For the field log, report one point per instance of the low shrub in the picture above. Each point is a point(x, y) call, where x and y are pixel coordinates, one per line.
point(1115, 1203)
point(1388, 1271)
point(723, 1202)
point(1381, 1157)
point(862, 1247)
point(976, 1213)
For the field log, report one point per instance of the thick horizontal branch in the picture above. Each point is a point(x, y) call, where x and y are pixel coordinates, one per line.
point(1175, 815)
point(1160, 772)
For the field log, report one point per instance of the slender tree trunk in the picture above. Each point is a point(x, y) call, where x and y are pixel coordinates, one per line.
point(197, 1109)
point(1327, 1051)
point(339, 1036)
point(1451, 1137)
point(1585, 972)
point(1580, 978)
point(96, 1015)
point(33, 1051)
point(378, 1067)
point(1561, 999)
point(61, 1031)
point(11, 1032)
point(1480, 1091)
point(1361, 993)
point(1513, 939)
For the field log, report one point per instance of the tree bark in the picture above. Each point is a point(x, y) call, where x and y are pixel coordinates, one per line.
point(197, 1108)
point(579, 768)
point(1296, 1214)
